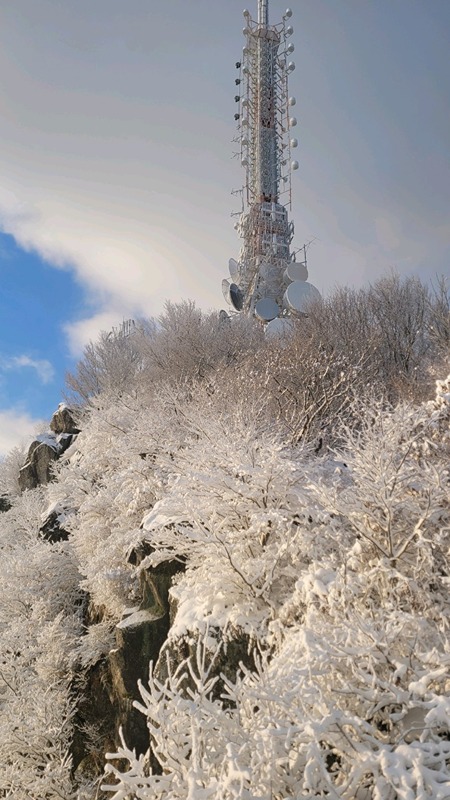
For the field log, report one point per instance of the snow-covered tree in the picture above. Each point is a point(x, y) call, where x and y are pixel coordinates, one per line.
point(39, 623)
point(301, 488)
point(349, 696)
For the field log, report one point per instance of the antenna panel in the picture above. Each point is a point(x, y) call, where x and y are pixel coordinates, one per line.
point(296, 272)
point(299, 295)
point(266, 309)
point(279, 327)
point(236, 297)
point(233, 267)
point(226, 289)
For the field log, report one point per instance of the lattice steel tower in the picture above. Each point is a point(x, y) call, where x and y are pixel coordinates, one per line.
point(266, 280)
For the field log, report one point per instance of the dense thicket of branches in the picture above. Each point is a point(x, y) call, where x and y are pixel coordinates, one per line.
point(396, 331)
point(303, 482)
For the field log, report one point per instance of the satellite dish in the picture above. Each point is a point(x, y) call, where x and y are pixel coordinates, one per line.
point(280, 326)
point(266, 309)
point(226, 289)
point(298, 296)
point(236, 297)
point(233, 267)
point(296, 272)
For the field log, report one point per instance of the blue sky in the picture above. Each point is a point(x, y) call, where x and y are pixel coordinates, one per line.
point(35, 302)
point(116, 169)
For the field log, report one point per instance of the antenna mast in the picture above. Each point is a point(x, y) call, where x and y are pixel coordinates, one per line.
point(263, 12)
point(260, 279)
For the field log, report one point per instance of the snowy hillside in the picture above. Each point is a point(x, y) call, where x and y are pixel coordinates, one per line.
point(265, 523)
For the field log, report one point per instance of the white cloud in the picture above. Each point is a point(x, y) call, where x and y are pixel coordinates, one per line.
point(17, 428)
point(86, 330)
point(43, 367)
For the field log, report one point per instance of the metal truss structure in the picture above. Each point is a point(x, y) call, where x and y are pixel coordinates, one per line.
point(265, 119)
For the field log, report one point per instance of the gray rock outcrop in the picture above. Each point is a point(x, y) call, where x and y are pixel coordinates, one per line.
point(47, 448)
point(5, 505)
point(43, 452)
point(63, 421)
point(111, 684)
point(52, 530)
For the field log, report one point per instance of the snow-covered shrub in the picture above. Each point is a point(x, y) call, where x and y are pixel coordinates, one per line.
point(109, 364)
point(186, 343)
point(395, 327)
point(438, 316)
point(329, 569)
point(313, 722)
point(231, 511)
point(39, 624)
point(9, 473)
point(349, 697)
point(183, 343)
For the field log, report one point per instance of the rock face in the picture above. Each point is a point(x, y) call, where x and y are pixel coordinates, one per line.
point(51, 529)
point(37, 468)
point(5, 505)
point(111, 685)
point(62, 421)
point(46, 449)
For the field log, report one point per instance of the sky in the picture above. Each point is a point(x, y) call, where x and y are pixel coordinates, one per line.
point(116, 164)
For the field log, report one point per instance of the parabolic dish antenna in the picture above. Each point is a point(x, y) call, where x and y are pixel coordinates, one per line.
point(266, 309)
point(233, 266)
point(226, 289)
point(296, 272)
point(232, 294)
point(236, 297)
point(280, 326)
point(298, 296)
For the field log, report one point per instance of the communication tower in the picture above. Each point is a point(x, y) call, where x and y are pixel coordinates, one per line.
point(266, 280)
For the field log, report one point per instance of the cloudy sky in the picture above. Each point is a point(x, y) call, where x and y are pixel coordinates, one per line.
point(116, 169)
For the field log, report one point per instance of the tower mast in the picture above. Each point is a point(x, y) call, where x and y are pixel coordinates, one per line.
point(263, 12)
point(259, 279)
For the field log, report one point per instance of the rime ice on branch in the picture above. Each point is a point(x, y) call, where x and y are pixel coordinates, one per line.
point(266, 281)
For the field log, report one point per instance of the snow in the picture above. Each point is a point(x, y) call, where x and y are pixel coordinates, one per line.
point(312, 597)
point(48, 439)
point(137, 618)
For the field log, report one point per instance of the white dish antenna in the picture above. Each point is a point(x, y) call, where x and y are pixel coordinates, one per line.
point(278, 327)
point(298, 296)
point(226, 289)
point(296, 272)
point(232, 294)
point(233, 267)
point(266, 309)
point(236, 297)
